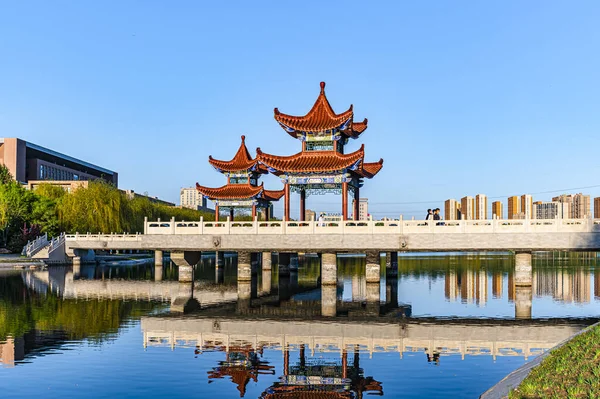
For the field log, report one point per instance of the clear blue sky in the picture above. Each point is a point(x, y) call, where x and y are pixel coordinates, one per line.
point(499, 97)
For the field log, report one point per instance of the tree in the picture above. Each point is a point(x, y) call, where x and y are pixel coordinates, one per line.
point(5, 176)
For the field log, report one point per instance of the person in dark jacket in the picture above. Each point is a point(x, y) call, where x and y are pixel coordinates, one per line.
point(429, 215)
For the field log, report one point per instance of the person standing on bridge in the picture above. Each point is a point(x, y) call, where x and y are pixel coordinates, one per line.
point(429, 215)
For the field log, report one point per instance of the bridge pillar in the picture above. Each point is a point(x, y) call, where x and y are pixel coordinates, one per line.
point(185, 261)
point(76, 266)
point(184, 302)
point(329, 269)
point(244, 289)
point(328, 300)
point(158, 258)
point(523, 297)
point(391, 291)
point(523, 269)
point(373, 267)
point(266, 261)
point(244, 266)
point(283, 260)
point(391, 263)
point(266, 281)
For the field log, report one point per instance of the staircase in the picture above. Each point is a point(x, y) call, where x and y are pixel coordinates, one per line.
point(52, 251)
point(35, 246)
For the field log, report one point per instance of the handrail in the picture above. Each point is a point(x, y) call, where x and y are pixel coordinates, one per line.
point(349, 227)
point(34, 246)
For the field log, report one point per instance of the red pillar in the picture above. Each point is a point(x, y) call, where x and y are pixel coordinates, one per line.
point(267, 216)
point(286, 362)
point(344, 201)
point(253, 211)
point(216, 212)
point(286, 204)
point(344, 364)
point(302, 205)
point(356, 205)
point(231, 215)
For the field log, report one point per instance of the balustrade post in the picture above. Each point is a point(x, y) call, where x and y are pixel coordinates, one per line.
point(145, 224)
point(228, 225)
point(255, 224)
point(400, 224)
point(173, 225)
point(370, 224)
point(201, 226)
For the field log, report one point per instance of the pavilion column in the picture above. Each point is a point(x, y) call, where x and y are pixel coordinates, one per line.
point(286, 205)
point(344, 201)
point(253, 212)
point(355, 206)
point(267, 215)
point(216, 212)
point(231, 215)
point(302, 205)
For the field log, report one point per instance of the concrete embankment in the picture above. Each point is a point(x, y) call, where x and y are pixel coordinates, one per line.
point(514, 379)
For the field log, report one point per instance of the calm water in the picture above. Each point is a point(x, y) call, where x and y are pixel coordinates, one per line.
point(447, 326)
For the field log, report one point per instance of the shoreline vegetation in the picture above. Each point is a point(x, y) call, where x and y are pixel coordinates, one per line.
point(99, 208)
point(571, 371)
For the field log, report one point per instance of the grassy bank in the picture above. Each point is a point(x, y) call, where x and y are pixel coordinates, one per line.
point(572, 371)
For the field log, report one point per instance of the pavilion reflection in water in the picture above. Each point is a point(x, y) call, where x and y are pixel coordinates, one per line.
point(306, 378)
point(241, 364)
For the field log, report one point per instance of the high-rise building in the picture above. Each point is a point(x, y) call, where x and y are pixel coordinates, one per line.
point(452, 209)
point(497, 209)
point(550, 210)
point(527, 206)
point(192, 198)
point(514, 207)
point(363, 208)
point(29, 162)
point(467, 207)
point(579, 204)
point(597, 207)
point(481, 207)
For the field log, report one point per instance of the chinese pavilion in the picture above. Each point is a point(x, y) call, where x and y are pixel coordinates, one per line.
point(322, 165)
point(242, 190)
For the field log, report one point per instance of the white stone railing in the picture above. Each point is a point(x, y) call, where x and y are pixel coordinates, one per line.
point(371, 227)
point(34, 246)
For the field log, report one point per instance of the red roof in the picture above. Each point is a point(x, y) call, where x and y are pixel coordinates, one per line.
point(240, 191)
point(242, 160)
point(320, 118)
point(311, 161)
point(320, 162)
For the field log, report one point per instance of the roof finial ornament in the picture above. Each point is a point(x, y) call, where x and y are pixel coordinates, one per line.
point(322, 87)
point(243, 138)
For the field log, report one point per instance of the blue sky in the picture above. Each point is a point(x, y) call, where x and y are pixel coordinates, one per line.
point(500, 97)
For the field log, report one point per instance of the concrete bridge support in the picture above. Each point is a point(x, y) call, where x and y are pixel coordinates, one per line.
point(373, 267)
point(391, 264)
point(391, 291)
point(329, 269)
point(266, 281)
point(158, 257)
point(76, 266)
point(373, 293)
point(523, 269)
point(523, 297)
point(185, 261)
point(184, 302)
point(266, 261)
point(244, 294)
point(328, 300)
point(244, 266)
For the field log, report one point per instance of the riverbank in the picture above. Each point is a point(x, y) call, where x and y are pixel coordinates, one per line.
point(14, 261)
point(570, 370)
